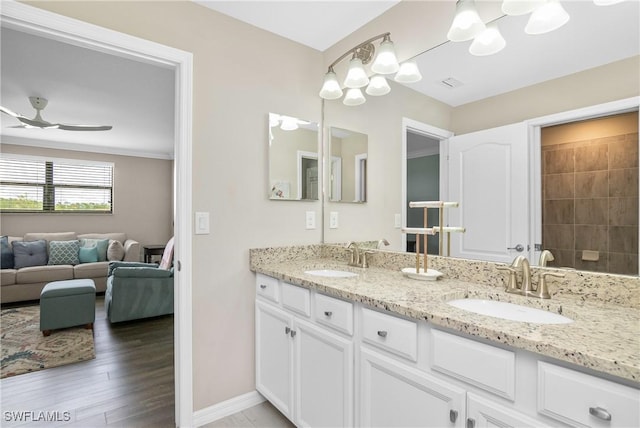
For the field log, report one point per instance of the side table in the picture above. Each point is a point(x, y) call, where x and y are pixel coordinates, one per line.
point(152, 250)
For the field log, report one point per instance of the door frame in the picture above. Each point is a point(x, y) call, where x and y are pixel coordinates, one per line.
point(534, 135)
point(431, 131)
point(53, 26)
point(301, 155)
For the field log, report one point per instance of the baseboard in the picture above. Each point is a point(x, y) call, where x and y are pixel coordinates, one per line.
point(229, 407)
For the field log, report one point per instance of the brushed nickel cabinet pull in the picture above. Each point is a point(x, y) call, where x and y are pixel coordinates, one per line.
point(328, 313)
point(600, 413)
point(263, 286)
point(453, 415)
point(382, 333)
point(471, 423)
point(293, 333)
point(287, 330)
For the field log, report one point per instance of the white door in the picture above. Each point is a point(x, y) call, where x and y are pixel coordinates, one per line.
point(488, 176)
point(274, 356)
point(323, 377)
point(483, 413)
point(395, 395)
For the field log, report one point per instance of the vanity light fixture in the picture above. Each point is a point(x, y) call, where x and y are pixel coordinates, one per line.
point(466, 23)
point(547, 17)
point(488, 42)
point(384, 63)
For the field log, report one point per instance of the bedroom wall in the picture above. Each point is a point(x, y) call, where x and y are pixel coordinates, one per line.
point(142, 200)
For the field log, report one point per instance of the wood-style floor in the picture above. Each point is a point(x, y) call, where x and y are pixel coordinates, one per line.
point(129, 384)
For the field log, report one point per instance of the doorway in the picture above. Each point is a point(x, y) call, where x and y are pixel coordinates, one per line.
point(36, 21)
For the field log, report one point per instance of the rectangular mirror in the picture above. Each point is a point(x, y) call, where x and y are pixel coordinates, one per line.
point(348, 166)
point(293, 158)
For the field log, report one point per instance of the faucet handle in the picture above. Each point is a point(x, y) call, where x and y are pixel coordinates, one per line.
point(365, 262)
point(543, 289)
point(512, 284)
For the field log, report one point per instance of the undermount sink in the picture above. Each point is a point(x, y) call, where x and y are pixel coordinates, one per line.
point(330, 273)
point(509, 311)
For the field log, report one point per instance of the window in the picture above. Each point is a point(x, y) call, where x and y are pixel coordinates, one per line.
point(35, 184)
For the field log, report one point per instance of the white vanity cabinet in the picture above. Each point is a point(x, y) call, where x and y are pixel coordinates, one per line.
point(302, 368)
point(484, 413)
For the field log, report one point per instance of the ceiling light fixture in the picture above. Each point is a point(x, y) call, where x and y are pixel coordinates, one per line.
point(488, 42)
point(385, 62)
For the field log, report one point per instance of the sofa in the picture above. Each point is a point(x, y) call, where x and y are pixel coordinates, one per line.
point(23, 283)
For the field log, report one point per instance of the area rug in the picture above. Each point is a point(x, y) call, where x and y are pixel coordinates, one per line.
point(25, 349)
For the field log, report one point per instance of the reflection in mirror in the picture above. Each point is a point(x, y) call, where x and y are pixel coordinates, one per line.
point(293, 158)
point(348, 178)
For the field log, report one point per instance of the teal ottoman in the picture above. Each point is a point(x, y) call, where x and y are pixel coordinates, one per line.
point(67, 304)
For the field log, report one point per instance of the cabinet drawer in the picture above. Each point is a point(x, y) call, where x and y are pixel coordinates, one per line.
point(485, 366)
point(296, 298)
point(391, 333)
point(267, 287)
point(581, 399)
point(334, 313)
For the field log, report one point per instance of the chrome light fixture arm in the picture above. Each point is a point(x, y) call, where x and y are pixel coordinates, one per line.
point(364, 50)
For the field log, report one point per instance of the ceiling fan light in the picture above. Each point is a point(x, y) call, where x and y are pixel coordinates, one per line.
point(353, 97)
point(466, 24)
point(386, 61)
point(378, 85)
point(547, 17)
point(408, 73)
point(330, 88)
point(519, 7)
point(356, 76)
point(489, 42)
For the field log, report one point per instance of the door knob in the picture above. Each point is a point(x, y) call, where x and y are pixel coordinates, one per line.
point(519, 248)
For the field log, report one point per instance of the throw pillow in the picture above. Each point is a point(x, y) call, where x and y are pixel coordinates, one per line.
point(101, 244)
point(64, 252)
point(88, 254)
point(31, 253)
point(115, 253)
point(6, 262)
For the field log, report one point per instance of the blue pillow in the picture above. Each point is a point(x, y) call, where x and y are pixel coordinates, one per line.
point(100, 244)
point(64, 252)
point(7, 254)
point(29, 253)
point(88, 254)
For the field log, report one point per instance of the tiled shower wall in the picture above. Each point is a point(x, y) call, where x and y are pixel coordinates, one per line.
point(590, 194)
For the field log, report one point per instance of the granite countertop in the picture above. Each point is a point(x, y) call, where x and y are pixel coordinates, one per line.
point(603, 337)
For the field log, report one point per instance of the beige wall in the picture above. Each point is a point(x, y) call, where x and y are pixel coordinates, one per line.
point(283, 155)
point(142, 200)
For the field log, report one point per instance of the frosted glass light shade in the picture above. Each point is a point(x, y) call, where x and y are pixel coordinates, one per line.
point(466, 24)
point(606, 2)
point(378, 86)
point(353, 97)
point(488, 42)
point(408, 73)
point(356, 76)
point(386, 61)
point(330, 88)
point(520, 7)
point(547, 17)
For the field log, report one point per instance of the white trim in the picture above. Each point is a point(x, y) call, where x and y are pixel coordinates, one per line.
point(88, 148)
point(440, 134)
point(229, 407)
point(42, 23)
point(533, 128)
point(361, 181)
point(66, 161)
point(428, 151)
point(335, 179)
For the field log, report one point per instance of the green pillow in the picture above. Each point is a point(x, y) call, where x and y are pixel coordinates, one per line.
point(88, 254)
point(100, 244)
point(64, 252)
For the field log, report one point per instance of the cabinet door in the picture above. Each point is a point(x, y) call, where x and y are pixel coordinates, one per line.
point(483, 413)
point(274, 356)
point(323, 377)
point(395, 395)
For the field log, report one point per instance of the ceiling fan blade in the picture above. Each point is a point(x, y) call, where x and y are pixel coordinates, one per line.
point(36, 123)
point(9, 112)
point(83, 127)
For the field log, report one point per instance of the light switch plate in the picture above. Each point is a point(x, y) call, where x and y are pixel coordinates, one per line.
point(398, 221)
point(202, 223)
point(333, 220)
point(310, 220)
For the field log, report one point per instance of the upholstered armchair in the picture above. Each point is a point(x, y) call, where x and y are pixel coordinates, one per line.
point(140, 290)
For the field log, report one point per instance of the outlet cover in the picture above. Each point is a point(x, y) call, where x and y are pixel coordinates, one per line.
point(333, 220)
point(310, 220)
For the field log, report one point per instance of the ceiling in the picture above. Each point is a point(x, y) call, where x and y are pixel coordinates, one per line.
point(87, 87)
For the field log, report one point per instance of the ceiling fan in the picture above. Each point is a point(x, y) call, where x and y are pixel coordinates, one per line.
point(39, 104)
